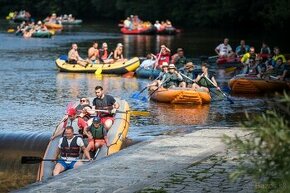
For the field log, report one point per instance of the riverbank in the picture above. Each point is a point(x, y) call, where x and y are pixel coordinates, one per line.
point(144, 165)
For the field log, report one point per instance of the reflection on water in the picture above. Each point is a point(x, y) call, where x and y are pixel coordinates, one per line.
point(179, 114)
point(78, 85)
point(144, 44)
point(13, 174)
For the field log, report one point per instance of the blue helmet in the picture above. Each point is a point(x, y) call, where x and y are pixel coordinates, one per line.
point(96, 120)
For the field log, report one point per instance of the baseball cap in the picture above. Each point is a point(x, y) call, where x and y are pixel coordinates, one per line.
point(96, 120)
point(71, 112)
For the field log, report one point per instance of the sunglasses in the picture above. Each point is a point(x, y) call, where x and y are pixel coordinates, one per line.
point(82, 100)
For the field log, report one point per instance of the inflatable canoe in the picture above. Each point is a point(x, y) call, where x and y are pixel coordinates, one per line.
point(147, 73)
point(252, 85)
point(53, 26)
point(149, 30)
point(116, 136)
point(74, 22)
point(19, 19)
point(115, 68)
point(167, 31)
point(181, 95)
point(42, 34)
point(226, 60)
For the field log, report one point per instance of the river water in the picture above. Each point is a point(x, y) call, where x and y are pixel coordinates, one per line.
point(34, 95)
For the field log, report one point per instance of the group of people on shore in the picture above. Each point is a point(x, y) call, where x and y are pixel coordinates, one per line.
point(134, 22)
point(26, 29)
point(91, 122)
point(96, 55)
point(263, 64)
point(178, 71)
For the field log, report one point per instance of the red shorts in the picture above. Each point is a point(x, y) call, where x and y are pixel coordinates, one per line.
point(92, 143)
point(104, 119)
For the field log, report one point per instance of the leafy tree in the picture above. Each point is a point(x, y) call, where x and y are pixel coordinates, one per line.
point(264, 153)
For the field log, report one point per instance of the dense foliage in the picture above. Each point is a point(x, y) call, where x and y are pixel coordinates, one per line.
point(189, 13)
point(264, 153)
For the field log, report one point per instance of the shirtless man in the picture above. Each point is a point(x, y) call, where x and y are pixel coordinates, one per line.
point(74, 57)
point(93, 53)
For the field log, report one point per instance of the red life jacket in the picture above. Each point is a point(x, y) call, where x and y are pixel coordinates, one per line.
point(105, 55)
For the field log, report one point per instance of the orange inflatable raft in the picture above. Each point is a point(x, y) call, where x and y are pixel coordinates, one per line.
point(53, 26)
point(251, 85)
point(181, 95)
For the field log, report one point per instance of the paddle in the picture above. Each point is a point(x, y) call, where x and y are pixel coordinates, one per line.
point(151, 94)
point(156, 64)
point(35, 160)
point(224, 94)
point(136, 95)
point(100, 69)
point(203, 58)
point(70, 105)
point(186, 77)
point(133, 113)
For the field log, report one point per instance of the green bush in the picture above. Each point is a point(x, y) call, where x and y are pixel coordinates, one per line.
point(264, 153)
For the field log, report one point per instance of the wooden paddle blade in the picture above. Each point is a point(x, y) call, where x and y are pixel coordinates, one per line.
point(139, 113)
point(98, 71)
point(30, 160)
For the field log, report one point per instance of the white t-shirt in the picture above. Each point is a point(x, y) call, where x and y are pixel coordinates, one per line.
point(157, 25)
point(147, 63)
point(224, 49)
point(80, 143)
point(127, 23)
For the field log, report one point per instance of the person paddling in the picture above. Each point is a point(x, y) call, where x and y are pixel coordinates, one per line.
point(108, 102)
point(202, 82)
point(172, 78)
point(72, 120)
point(69, 148)
point(159, 79)
point(188, 74)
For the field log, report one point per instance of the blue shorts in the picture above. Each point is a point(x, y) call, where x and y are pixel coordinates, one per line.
point(66, 166)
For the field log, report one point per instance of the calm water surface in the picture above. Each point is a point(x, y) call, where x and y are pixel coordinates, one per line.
point(34, 95)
